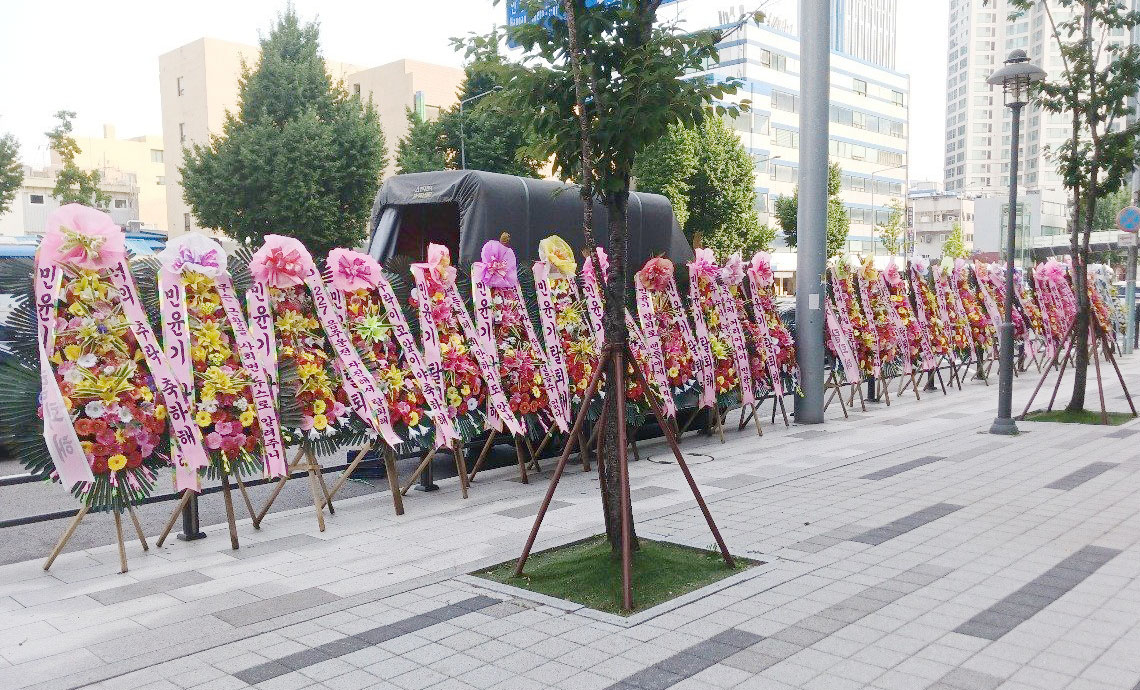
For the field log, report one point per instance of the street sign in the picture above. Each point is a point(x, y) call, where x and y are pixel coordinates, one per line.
point(1126, 239)
point(1128, 220)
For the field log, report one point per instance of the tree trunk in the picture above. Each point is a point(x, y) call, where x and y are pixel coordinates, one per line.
point(616, 336)
point(1084, 307)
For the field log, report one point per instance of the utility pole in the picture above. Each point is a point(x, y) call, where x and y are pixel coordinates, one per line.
point(811, 220)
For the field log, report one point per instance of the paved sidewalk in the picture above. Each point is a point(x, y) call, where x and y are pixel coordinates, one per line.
point(905, 549)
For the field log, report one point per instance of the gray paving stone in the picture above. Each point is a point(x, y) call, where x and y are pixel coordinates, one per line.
point(644, 492)
point(531, 509)
point(274, 545)
point(146, 588)
point(257, 611)
point(262, 673)
point(879, 535)
point(1122, 433)
point(968, 679)
point(1081, 476)
point(735, 481)
point(1035, 596)
point(903, 467)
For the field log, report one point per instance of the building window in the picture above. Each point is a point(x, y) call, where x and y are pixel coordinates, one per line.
point(160, 180)
point(35, 199)
point(783, 101)
point(178, 83)
point(156, 155)
point(356, 89)
point(120, 203)
point(186, 222)
point(897, 97)
point(860, 87)
point(182, 132)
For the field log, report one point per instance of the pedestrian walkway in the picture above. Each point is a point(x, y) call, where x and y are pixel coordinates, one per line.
point(904, 549)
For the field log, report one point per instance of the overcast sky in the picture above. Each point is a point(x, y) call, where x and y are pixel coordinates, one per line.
point(100, 59)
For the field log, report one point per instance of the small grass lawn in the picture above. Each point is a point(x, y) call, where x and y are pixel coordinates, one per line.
point(1082, 417)
point(586, 573)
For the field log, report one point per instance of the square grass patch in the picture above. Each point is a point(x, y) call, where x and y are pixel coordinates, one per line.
point(586, 573)
point(1082, 417)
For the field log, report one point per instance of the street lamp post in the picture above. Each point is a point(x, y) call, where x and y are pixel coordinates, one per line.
point(462, 133)
point(1015, 78)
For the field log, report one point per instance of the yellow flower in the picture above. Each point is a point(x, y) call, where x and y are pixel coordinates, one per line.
point(413, 418)
point(67, 402)
point(320, 422)
point(395, 376)
point(198, 354)
point(247, 417)
point(466, 390)
point(117, 462)
point(536, 391)
point(203, 418)
point(56, 359)
point(319, 406)
point(87, 446)
point(145, 393)
point(160, 412)
point(558, 254)
point(673, 371)
point(73, 352)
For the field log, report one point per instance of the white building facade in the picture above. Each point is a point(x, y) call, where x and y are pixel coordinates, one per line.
point(869, 105)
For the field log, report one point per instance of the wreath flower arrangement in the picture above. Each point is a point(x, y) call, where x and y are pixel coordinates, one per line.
point(993, 276)
point(281, 265)
point(703, 276)
point(104, 420)
point(872, 296)
point(961, 340)
point(360, 288)
point(500, 311)
point(679, 360)
point(898, 295)
point(850, 311)
point(564, 315)
point(462, 382)
point(783, 346)
point(981, 329)
point(936, 326)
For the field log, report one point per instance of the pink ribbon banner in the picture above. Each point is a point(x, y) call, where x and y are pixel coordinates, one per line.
point(768, 346)
point(560, 385)
point(700, 351)
point(869, 316)
point(262, 331)
point(924, 324)
point(59, 433)
point(841, 345)
point(884, 294)
point(653, 343)
point(703, 345)
point(726, 307)
point(176, 346)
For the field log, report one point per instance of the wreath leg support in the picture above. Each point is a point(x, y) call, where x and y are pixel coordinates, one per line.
point(65, 537)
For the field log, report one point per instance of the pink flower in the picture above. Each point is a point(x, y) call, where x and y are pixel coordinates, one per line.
point(761, 267)
point(920, 264)
point(892, 275)
point(657, 273)
point(233, 443)
point(603, 261)
point(439, 261)
point(733, 271)
point(214, 440)
point(352, 270)
point(225, 428)
point(498, 265)
point(193, 251)
point(84, 237)
point(306, 423)
point(281, 262)
point(338, 410)
point(703, 264)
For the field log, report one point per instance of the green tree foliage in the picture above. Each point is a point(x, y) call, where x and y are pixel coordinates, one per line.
point(73, 185)
point(419, 150)
point(955, 245)
point(300, 157)
point(491, 134)
point(838, 219)
point(1109, 207)
point(11, 172)
point(601, 83)
point(892, 232)
point(708, 176)
point(1097, 78)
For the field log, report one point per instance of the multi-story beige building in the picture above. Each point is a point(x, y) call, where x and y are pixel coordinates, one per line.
point(137, 162)
point(34, 202)
point(199, 83)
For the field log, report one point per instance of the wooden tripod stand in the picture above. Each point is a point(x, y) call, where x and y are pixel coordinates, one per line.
point(303, 460)
point(229, 501)
point(71, 527)
point(614, 356)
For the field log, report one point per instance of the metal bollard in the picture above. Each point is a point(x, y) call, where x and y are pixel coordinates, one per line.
point(426, 480)
point(191, 529)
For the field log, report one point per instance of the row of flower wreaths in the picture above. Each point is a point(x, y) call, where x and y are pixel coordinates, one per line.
point(206, 391)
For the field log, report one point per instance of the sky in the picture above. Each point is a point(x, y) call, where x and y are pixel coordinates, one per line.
point(100, 59)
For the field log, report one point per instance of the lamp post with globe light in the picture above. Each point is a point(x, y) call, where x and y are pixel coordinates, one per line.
point(1015, 78)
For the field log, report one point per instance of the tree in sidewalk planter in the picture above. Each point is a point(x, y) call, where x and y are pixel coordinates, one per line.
point(605, 81)
point(419, 150)
point(11, 172)
point(300, 156)
point(1098, 77)
point(709, 177)
point(838, 219)
point(955, 245)
point(73, 185)
point(892, 233)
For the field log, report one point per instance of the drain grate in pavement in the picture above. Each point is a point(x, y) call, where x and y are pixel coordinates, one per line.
point(1031, 599)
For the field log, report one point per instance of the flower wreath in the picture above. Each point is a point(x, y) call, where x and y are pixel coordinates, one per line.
point(718, 324)
point(770, 328)
point(853, 319)
point(932, 320)
point(669, 337)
